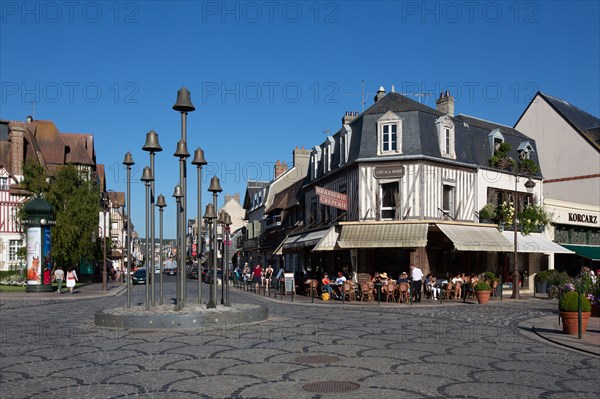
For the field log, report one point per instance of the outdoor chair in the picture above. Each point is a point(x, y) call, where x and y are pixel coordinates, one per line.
point(390, 290)
point(449, 292)
point(348, 290)
point(403, 292)
point(457, 290)
point(366, 292)
point(312, 288)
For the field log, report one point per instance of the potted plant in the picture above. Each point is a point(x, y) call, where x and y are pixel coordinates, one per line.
point(483, 292)
point(541, 282)
point(487, 214)
point(568, 307)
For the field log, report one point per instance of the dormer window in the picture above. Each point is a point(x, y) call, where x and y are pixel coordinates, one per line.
point(389, 134)
point(446, 138)
point(524, 150)
point(345, 137)
point(328, 154)
point(495, 138)
point(315, 157)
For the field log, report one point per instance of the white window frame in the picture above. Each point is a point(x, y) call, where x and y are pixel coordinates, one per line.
point(345, 137)
point(451, 211)
point(389, 119)
point(4, 183)
point(13, 248)
point(387, 208)
point(446, 136)
point(495, 137)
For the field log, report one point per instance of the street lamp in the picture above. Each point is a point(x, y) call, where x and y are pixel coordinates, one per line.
point(210, 216)
point(199, 161)
point(183, 105)
point(104, 208)
point(215, 187)
point(160, 203)
point(152, 146)
point(178, 194)
point(529, 184)
point(221, 221)
point(128, 162)
point(182, 153)
point(225, 221)
point(147, 178)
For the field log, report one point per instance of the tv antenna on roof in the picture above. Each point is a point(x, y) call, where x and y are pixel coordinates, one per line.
point(362, 94)
point(326, 131)
point(33, 109)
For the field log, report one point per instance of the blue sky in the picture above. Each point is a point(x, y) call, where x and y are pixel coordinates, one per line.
point(268, 76)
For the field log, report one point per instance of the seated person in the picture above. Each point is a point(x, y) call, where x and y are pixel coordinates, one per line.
point(403, 278)
point(340, 279)
point(431, 283)
point(376, 278)
point(384, 278)
point(326, 284)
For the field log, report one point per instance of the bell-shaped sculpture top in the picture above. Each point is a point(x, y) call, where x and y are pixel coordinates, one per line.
point(210, 212)
point(215, 185)
point(184, 102)
point(227, 219)
point(160, 201)
point(199, 157)
point(151, 143)
point(128, 160)
point(147, 175)
point(177, 193)
point(181, 151)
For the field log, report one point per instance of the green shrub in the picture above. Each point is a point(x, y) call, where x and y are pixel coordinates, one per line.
point(568, 302)
point(482, 286)
point(541, 276)
point(558, 279)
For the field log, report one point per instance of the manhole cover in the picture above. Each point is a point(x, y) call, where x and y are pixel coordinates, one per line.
point(331, 386)
point(316, 359)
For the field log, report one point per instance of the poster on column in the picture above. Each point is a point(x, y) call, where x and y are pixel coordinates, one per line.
point(34, 252)
point(47, 246)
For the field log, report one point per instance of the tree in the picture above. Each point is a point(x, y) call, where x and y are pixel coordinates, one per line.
point(76, 205)
point(75, 200)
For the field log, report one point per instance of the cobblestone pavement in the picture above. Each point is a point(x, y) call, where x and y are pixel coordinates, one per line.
point(51, 348)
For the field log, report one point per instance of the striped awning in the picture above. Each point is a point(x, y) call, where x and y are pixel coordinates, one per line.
point(383, 235)
point(535, 243)
point(298, 242)
point(475, 238)
point(329, 241)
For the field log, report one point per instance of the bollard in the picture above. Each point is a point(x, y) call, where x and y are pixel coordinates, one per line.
point(579, 332)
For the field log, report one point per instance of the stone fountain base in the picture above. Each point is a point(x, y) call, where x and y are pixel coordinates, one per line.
point(192, 316)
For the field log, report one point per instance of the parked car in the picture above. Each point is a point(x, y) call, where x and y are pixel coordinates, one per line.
point(139, 276)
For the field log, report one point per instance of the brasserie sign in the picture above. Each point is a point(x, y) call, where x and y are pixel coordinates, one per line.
point(332, 198)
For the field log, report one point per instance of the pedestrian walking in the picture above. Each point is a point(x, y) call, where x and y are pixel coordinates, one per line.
point(71, 279)
point(58, 277)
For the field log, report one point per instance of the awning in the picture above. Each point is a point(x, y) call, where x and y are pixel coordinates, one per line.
point(475, 238)
point(383, 235)
point(329, 241)
point(534, 243)
point(279, 249)
point(297, 242)
point(587, 251)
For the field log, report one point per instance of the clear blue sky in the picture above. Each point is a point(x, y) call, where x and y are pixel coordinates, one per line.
point(266, 77)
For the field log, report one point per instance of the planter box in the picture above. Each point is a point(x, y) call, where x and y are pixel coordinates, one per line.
point(483, 297)
point(570, 322)
point(541, 287)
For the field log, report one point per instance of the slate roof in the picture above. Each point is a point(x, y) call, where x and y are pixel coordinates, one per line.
point(586, 124)
point(420, 137)
point(253, 187)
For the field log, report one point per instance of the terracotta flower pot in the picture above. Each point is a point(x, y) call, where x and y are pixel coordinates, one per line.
point(570, 325)
point(483, 297)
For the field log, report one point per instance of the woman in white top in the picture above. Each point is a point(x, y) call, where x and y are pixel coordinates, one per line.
point(71, 279)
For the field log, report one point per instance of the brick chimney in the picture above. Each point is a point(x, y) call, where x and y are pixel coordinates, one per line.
point(445, 104)
point(349, 117)
point(380, 94)
point(235, 197)
point(17, 150)
point(280, 168)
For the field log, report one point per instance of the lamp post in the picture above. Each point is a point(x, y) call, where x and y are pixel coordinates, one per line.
point(152, 146)
point(160, 203)
point(210, 217)
point(183, 105)
point(182, 153)
point(529, 184)
point(104, 207)
point(147, 178)
point(128, 162)
point(177, 194)
point(221, 221)
point(227, 222)
point(199, 161)
point(215, 187)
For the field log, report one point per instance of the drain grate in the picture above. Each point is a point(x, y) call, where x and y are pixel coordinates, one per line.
point(331, 386)
point(317, 359)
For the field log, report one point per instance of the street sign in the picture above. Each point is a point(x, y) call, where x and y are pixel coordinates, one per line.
point(332, 198)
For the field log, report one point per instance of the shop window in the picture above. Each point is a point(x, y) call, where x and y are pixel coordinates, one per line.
point(389, 201)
